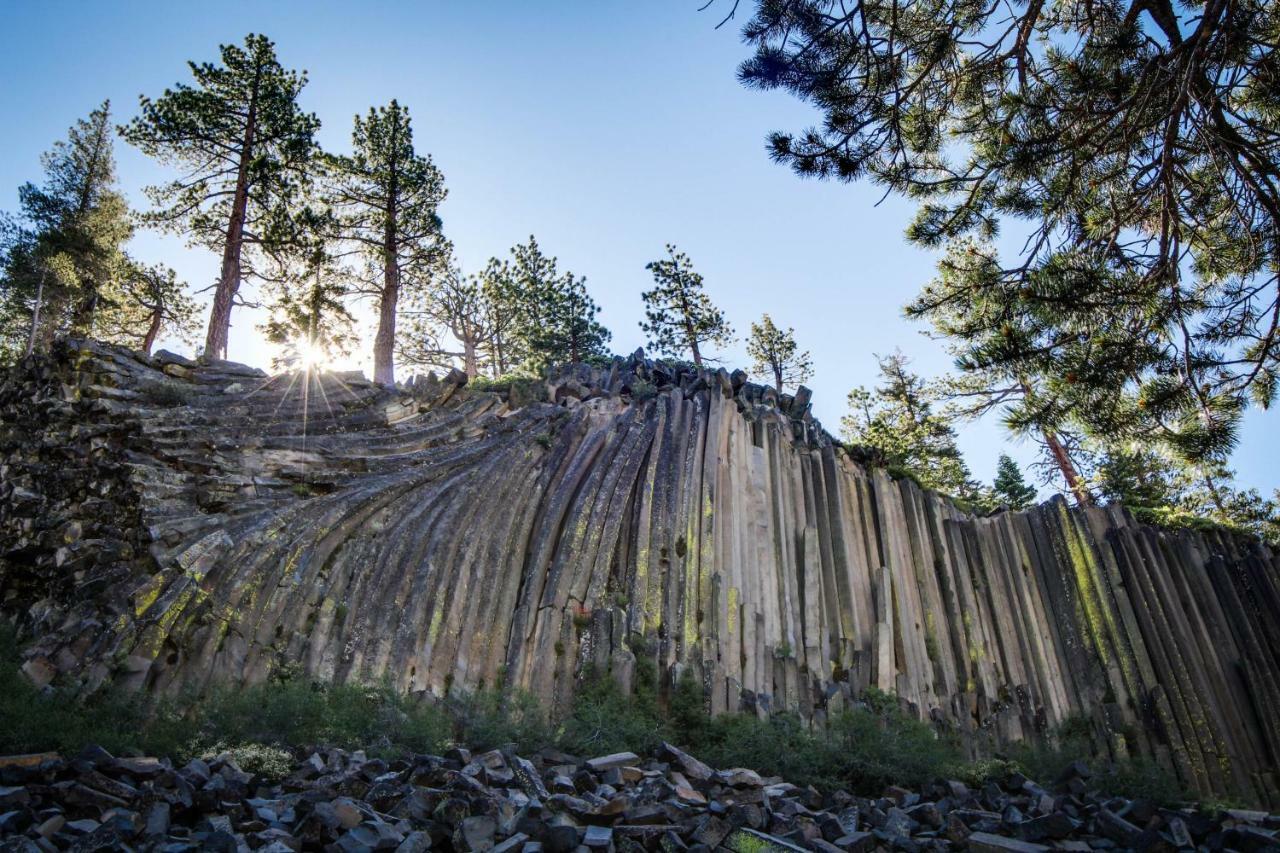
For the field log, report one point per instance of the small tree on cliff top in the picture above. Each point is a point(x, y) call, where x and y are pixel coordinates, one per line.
point(776, 354)
point(246, 149)
point(680, 318)
point(897, 424)
point(1009, 487)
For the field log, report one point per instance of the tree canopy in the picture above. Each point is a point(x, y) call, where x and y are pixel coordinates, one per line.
point(897, 426)
point(1133, 149)
point(66, 248)
point(776, 354)
point(246, 151)
point(679, 316)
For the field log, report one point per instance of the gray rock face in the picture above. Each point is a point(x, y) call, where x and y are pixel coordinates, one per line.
point(161, 532)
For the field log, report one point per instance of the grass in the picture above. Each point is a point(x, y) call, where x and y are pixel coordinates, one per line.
point(861, 750)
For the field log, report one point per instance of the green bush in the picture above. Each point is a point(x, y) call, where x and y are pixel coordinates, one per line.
point(487, 719)
point(861, 750)
point(167, 393)
point(604, 719)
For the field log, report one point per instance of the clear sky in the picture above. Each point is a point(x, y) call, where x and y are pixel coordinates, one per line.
point(606, 129)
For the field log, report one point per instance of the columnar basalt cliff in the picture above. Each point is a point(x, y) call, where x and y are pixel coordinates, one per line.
point(170, 525)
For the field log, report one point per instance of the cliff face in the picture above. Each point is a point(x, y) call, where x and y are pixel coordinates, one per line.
point(169, 525)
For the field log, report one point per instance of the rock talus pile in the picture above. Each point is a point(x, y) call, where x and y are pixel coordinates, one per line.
point(556, 803)
point(169, 525)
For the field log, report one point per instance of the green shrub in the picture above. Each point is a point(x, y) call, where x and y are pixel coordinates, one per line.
point(271, 763)
point(604, 719)
point(491, 718)
point(166, 393)
point(643, 389)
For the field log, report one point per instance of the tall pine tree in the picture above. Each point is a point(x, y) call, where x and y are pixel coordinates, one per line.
point(679, 316)
point(66, 249)
point(1009, 487)
point(542, 316)
point(387, 196)
point(246, 150)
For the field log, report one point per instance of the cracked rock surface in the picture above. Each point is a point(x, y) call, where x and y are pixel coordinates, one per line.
point(166, 525)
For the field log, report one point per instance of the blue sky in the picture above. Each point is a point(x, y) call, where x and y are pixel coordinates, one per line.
point(606, 129)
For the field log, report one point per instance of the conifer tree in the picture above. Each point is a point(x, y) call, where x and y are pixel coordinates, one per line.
point(978, 328)
point(143, 304)
point(246, 150)
point(1009, 488)
point(1134, 144)
point(449, 322)
point(680, 318)
point(777, 356)
point(67, 247)
point(542, 316)
point(1159, 487)
point(387, 196)
point(896, 425)
point(310, 287)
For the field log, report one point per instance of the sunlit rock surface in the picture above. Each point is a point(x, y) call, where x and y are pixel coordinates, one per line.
point(171, 525)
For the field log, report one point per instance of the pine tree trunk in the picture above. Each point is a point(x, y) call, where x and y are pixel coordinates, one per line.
point(153, 330)
point(777, 376)
point(384, 342)
point(215, 341)
point(470, 361)
point(35, 314)
point(1069, 473)
point(384, 370)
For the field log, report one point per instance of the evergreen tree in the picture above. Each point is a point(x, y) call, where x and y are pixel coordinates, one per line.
point(66, 249)
point(246, 149)
point(310, 287)
point(452, 321)
point(897, 426)
point(1133, 142)
point(977, 327)
point(143, 304)
point(1009, 488)
point(1159, 487)
point(680, 318)
point(541, 316)
point(387, 196)
point(776, 355)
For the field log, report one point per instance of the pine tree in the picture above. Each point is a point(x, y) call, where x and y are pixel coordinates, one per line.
point(542, 316)
point(449, 322)
point(978, 329)
point(1134, 144)
point(1157, 486)
point(896, 425)
point(1009, 488)
point(680, 318)
point(67, 248)
point(776, 354)
point(387, 196)
point(247, 151)
point(310, 287)
point(142, 305)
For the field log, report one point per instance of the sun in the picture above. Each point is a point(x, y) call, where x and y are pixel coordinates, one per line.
point(310, 355)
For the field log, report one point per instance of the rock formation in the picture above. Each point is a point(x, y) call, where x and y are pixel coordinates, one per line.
point(169, 524)
point(557, 803)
